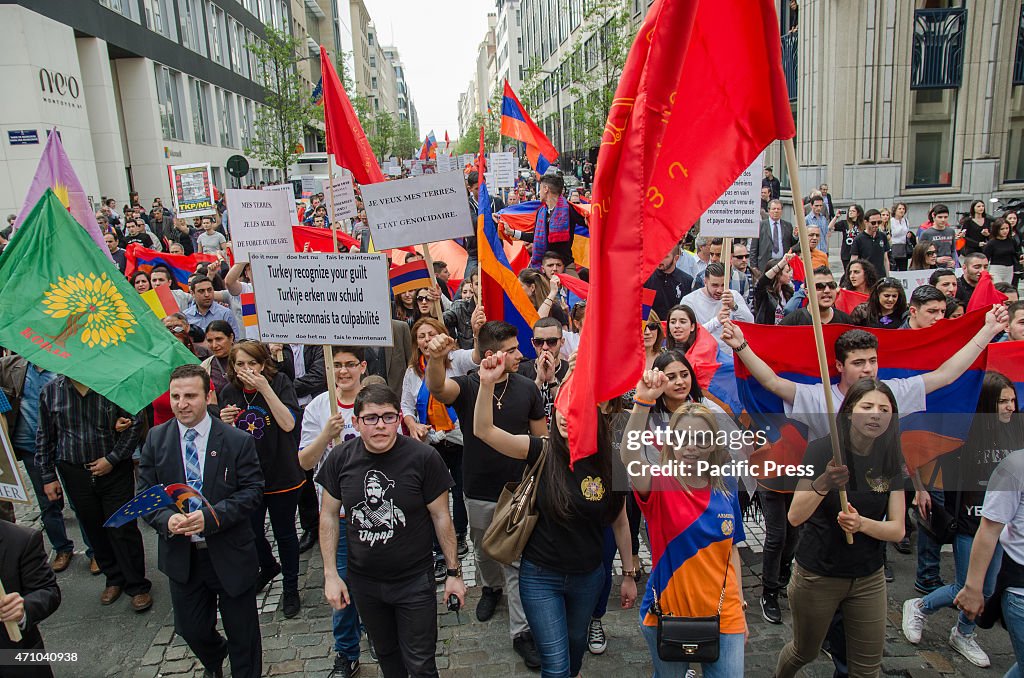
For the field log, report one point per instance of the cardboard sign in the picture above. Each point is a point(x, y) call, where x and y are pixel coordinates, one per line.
point(260, 222)
point(423, 209)
point(503, 166)
point(320, 298)
point(444, 163)
point(192, 190)
point(737, 213)
point(288, 189)
point(12, 483)
point(343, 193)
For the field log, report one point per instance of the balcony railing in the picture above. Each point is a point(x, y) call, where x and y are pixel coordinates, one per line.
point(937, 55)
point(1018, 59)
point(789, 49)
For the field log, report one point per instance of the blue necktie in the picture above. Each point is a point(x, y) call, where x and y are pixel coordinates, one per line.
point(193, 472)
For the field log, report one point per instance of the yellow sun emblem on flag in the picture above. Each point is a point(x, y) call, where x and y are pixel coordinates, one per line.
point(91, 304)
point(61, 191)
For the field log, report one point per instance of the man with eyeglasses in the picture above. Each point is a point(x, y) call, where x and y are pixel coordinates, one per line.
point(395, 491)
point(321, 431)
point(871, 244)
point(826, 287)
point(518, 409)
point(548, 369)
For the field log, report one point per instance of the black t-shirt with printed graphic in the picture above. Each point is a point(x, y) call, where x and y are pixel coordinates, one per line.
point(577, 545)
point(278, 450)
point(390, 533)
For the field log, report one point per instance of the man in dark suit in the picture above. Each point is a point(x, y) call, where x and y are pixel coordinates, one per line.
point(830, 210)
point(390, 362)
point(208, 554)
point(32, 593)
point(776, 236)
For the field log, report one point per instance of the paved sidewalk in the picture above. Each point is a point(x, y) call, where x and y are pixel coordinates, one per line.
point(114, 642)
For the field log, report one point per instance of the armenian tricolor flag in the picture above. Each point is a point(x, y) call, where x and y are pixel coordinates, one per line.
point(516, 123)
point(503, 295)
point(161, 300)
point(940, 429)
point(1007, 358)
point(249, 318)
point(411, 276)
point(144, 259)
point(523, 217)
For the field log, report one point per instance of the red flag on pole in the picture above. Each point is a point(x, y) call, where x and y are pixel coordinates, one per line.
point(346, 139)
point(985, 294)
point(663, 162)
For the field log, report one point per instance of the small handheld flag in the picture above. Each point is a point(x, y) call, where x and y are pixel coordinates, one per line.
point(412, 276)
point(318, 92)
point(161, 300)
point(249, 318)
point(142, 504)
point(180, 493)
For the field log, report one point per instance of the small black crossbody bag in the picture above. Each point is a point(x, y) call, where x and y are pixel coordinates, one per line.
point(689, 639)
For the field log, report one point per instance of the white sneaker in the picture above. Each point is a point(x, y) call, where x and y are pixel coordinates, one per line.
point(596, 640)
point(969, 648)
point(691, 673)
point(913, 620)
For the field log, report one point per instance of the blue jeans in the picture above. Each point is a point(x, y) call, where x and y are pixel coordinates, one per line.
point(609, 559)
point(558, 608)
point(1013, 615)
point(943, 597)
point(346, 621)
point(50, 512)
point(928, 550)
point(729, 664)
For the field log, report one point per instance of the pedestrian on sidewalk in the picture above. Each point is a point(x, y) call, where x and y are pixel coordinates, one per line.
point(208, 553)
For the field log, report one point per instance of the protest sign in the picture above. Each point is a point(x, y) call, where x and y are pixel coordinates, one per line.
point(444, 163)
point(737, 213)
point(503, 166)
point(289, 190)
point(12, 483)
point(309, 186)
point(191, 190)
point(394, 171)
point(467, 159)
point(344, 196)
point(422, 209)
point(322, 298)
point(911, 279)
point(260, 222)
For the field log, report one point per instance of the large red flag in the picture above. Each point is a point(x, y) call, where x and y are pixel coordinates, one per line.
point(346, 139)
point(985, 294)
point(701, 95)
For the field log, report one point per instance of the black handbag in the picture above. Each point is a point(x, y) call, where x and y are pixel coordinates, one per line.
point(689, 639)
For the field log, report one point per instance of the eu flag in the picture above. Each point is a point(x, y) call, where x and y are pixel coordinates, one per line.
point(144, 503)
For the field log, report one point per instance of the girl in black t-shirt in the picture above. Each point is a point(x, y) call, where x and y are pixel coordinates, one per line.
point(832, 574)
point(996, 431)
point(885, 307)
point(561, 573)
point(261, 401)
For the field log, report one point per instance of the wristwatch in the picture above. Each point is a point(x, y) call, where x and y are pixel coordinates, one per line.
point(457, 572)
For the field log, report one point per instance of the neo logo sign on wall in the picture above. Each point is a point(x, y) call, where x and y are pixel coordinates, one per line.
point(54, 84)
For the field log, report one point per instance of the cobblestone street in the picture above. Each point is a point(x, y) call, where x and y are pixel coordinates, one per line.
point(113, 642)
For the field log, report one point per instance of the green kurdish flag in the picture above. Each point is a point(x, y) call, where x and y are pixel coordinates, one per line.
point(66, 308)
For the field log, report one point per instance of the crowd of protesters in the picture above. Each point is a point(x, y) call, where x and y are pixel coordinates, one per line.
point(401, 476)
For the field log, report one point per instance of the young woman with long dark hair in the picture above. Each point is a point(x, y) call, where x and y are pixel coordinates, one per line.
point(977, 227)
point(860, 276)
point(850, 227)
point(261, 401)
point(682, 328)
point(899, 230)
point(772, 290)
point(561, 573)
point(924, 257)
point(885, 307)
point(1003, 252)
point(831, 574)
point(997, 430)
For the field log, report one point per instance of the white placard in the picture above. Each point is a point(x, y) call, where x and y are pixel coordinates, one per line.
point(394, 171)
point(344, 197)
point(503, 166)
point(288, 190)
point(418, 210)
point(260, 222)
point(321, 298)
point(444, 163)
point(467, 159)
point(911, 279)
point(12, 482)
point(737, 213)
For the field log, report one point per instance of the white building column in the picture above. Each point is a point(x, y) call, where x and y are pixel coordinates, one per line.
point(101, 106)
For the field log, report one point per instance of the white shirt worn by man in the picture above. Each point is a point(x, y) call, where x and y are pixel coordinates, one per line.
point(706, 309)
point(202, 430)
point(809, 408)
point(299, 364)
point(1004, 503)
point(314, 420)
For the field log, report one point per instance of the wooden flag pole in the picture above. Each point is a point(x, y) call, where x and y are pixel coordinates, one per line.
point(727, 260)
point(328, 349)
point(433, 278)
point(13, 632)
point(812, 304)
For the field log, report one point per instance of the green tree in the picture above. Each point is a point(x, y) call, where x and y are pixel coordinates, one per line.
point(287, 107)
point(407, 141)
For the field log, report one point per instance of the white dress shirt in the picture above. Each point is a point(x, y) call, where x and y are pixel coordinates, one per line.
point(202, 430)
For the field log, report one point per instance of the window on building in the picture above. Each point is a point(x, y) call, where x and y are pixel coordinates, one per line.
point(255, 67)
point(590, 56)
point(202, 114)
point(245, 119)
point(193, 32)
point(218, 32)
point(160, 17)
point(930, 134)
point(225, 116)
point(239, 50)
point(1015, 150)
point(369, 38)
point(563, 25)
point(168, 91)
point(373, 61)
point(126, 8)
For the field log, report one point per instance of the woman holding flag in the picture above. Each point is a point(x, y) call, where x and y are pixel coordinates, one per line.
point(773, 290)
point(261, 401)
